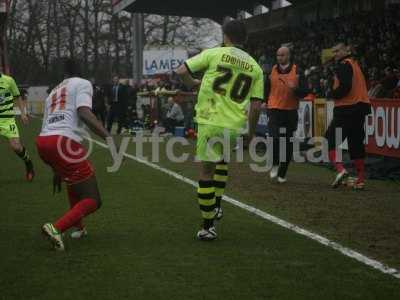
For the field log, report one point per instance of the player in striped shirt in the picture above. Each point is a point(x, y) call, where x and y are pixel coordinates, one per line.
point(9, 93)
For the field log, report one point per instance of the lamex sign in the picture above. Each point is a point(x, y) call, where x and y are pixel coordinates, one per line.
point(163, 61)
point(383, 128)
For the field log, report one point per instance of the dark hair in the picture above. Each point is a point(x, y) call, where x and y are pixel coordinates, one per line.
point(71, 67)
point(236, 31)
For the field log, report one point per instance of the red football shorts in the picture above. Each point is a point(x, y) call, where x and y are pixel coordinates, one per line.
point(67, 158)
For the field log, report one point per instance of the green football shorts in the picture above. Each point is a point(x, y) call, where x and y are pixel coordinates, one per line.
point(212, 141)
point(8, 128)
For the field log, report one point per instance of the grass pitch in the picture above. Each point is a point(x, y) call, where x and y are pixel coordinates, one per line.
point(141, 243)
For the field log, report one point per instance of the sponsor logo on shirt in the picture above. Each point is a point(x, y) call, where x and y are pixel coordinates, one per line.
point(56, 119)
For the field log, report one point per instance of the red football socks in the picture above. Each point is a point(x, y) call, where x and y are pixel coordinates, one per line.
point(360, 169)
point(73, 199)
point(332, 157)
point(75, 214)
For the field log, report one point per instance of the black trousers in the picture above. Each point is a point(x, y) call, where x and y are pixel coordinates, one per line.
point(282, 125)
point(170, 124)
point(100, 114)
point(116, 113)
point(350, 121)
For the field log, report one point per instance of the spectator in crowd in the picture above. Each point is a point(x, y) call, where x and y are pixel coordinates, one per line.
point(118, 104)
point(189, 115)
point(396, 93)
point(389, 83)
point(161, 87)
point(131, 91)
point(99, 103)
point(174, 116)
point(375, 46)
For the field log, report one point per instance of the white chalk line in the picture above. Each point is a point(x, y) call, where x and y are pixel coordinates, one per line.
point(313, 236)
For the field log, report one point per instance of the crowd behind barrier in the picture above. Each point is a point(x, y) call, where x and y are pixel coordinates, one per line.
point(374, 39)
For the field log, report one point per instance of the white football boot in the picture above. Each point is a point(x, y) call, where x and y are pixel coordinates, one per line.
point(274, 172)
point(340, 177)
point(79, 233)
point(53, 236)
point(207, 235)
point(282, 180)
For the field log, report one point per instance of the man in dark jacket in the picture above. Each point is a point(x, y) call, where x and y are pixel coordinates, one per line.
point(99, 103)
point(118, 104)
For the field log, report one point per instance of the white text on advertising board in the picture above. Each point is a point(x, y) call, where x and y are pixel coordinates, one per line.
point(162, 65)
point(383, 127)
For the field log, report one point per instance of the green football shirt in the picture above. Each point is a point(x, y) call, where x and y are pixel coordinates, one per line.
point(8, 91)
point(231, 79)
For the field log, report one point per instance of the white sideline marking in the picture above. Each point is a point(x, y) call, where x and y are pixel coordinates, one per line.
point(316, 237)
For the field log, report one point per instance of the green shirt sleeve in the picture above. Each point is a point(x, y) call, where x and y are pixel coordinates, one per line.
point(199, 62)
point(257, 92)
point(14, 88)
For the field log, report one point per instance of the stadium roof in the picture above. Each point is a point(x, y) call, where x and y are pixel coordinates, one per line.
point(213, 9)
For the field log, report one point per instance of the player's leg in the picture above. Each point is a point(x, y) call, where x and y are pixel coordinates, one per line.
point(290, 127)
point(103, 115)
point(206, 199)
point(12, 134)
point(88, 196)
point(45, 147)
point(334, 140)
point(80, 230)
point(206, 189)
point(68, 160)
point(273, 131)
point(220, 179)
point(110, 117)
point(121, 120)
point(206, 193)
point(357, 149)
point(89, 201)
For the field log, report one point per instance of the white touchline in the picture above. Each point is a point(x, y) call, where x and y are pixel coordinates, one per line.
point(316, 237)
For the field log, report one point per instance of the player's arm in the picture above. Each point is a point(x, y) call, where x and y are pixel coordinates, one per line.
point(23, 108)
point(87, 117)
point(257, 99)
point(254, 115)
point(84, 97)
point(193, 65)
point(187, 78)
point(301, 90)
point(18, 99)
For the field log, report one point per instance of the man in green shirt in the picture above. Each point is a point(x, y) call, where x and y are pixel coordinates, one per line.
point(8, 128)
point(232, 80)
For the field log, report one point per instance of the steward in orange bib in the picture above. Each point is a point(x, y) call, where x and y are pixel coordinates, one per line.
point(351, 106)
point(285, 87)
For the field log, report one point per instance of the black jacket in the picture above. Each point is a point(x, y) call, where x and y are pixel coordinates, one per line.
point(344, 74)
point(122, 95)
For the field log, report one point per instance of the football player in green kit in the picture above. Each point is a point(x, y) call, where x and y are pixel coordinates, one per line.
point(232, 80)
point(8, 128)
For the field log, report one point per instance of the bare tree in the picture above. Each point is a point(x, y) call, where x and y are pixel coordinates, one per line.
point(41, 32)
